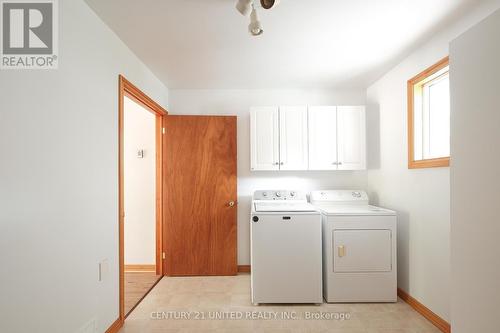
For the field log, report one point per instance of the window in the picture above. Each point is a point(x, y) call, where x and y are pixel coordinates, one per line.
point(429, 117)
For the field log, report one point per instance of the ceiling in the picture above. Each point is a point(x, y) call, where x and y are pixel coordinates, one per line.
point(204, 44)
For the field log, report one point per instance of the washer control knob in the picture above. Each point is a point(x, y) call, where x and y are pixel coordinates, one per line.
point(255, 219)
point(292, 194)
point(278, 194)
point(264, 194)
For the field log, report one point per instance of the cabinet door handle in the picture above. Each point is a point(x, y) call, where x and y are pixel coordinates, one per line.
point(282, 163)
point(341, 251)
point(335, 163)
point(339, 163)
point(275, 163)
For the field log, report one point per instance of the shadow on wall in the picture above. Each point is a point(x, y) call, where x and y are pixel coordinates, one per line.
point(243, 229)
point(403, 246)
point(308, 180)
point(403, 249)
point(373, 136)
point(374, 200)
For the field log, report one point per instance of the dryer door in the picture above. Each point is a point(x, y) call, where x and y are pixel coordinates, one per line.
point(362, 250)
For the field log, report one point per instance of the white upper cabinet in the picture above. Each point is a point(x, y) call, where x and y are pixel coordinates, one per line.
point(293, 138)
point(308, 138)
point(323, 138)
point(351, 137)
point(264, 138)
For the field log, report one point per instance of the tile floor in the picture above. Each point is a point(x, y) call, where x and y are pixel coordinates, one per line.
point(210, 296)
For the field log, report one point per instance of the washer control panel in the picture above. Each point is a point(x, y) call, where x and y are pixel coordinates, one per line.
point(279, 195)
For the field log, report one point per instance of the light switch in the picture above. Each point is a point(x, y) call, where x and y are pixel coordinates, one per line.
point(103, 270)
point(140, 153)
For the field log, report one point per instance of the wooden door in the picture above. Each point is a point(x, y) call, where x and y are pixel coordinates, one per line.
point(322, 138)
point(351, 137)
point(293, 138)
point(264, 136)
point(200, 205)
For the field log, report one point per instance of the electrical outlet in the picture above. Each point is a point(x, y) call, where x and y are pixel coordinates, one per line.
point(103, 270)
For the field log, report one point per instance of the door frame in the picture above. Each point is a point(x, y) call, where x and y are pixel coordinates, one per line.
point(126, 88)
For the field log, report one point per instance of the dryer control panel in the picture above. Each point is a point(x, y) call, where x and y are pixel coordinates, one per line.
point(339, 197)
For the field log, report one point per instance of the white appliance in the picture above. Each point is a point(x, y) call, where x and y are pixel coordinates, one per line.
point(359, 248)
point(285, 248)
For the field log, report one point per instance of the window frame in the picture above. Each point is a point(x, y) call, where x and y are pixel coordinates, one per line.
point(417, 79)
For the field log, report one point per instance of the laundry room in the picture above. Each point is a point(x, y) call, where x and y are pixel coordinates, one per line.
point(249, 166)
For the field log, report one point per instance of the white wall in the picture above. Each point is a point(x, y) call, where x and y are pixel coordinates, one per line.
point(59, 179)
point(475, 181)
point(238, 102)
point(421, 196)
point(139, 177)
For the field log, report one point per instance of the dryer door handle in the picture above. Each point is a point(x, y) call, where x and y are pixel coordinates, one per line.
point(341, 251)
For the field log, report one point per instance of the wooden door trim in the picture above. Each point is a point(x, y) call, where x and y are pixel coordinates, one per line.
point(140, 268)
point(115, 326)
point(126, 88)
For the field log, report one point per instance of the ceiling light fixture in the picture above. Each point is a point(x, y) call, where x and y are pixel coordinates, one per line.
point(244, 7)
point(255, 27)
point(268, 4)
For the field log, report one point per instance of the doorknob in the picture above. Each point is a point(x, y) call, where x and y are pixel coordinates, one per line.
point(231, 203)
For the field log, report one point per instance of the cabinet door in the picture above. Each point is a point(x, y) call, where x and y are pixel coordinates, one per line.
point(293, 138)
point(322, 138)
point(351, 137)
point(264, 138)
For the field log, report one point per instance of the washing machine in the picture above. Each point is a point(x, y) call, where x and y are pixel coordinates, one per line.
point(359, 248)
point(285, 248)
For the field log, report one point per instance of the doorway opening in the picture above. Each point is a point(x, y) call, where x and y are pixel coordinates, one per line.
point(141, 145)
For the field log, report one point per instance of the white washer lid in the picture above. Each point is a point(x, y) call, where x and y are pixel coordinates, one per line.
point(284, 207)
point(365, 210)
